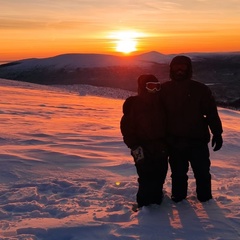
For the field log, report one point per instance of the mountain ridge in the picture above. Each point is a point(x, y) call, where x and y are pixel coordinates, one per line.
point(221, 71)
point(119, 60)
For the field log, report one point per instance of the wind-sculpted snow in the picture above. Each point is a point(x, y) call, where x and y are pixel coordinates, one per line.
point(84, 90)
point(65, 173)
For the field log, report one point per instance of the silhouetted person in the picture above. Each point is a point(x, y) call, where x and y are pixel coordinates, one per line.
point(191, 110)
point(143, 129)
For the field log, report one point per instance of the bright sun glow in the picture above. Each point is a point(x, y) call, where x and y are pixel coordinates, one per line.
point(126, 45)
point(126, 41)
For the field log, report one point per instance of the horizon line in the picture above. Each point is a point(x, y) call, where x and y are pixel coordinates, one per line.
point(125, 55)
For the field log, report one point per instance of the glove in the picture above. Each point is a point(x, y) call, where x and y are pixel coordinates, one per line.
point(217, 142)
point(137, 154)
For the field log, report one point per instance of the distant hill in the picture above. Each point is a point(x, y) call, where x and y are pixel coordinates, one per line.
point(221, 71)
point(80, 60)
point(94, 69)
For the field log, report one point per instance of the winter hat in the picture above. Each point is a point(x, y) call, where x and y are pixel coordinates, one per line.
point(182, 60)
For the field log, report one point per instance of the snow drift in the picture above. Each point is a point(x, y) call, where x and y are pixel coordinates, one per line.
point(65, 173)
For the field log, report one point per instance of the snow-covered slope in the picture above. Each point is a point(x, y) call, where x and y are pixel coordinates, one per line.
point(72, 61)
point(65, 173)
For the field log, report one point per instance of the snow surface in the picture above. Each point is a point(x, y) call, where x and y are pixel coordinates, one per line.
point(65, 173)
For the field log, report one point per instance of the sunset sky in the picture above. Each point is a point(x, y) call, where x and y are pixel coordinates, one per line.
point(41, 28)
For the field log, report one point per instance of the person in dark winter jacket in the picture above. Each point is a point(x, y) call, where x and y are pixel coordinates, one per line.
point(191, 111)
point(143, 128)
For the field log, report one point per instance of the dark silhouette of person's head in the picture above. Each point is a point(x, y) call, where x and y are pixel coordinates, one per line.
point(143, 80)
point(181, 68)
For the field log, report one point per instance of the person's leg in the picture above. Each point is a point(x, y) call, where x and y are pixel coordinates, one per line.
point(159, 172)
point(178, 161)
point(152, 174)
point(200, 164)
point(143, 196)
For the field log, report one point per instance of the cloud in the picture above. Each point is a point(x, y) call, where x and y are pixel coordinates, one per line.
point(20, 24)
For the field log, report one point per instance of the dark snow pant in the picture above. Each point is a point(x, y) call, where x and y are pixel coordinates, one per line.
point(152, 173)
point(198, 156)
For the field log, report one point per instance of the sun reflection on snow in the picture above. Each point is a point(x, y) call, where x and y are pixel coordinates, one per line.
point(118, 183)
point(175, 220)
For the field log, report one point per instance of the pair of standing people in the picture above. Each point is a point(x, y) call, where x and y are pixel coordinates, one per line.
point(171, 123)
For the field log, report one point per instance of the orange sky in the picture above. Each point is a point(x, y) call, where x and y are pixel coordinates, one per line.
point(44, 28)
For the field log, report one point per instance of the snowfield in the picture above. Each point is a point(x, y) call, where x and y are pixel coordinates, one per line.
point(65, 173)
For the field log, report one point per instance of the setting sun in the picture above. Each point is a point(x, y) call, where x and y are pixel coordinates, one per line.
point(126, 45)
point(126, 41)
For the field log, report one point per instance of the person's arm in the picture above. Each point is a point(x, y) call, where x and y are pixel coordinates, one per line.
point(127, 124)
point(213, 120)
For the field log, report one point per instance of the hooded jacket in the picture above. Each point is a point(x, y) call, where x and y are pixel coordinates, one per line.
point(190, 107)
point(143, 121)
